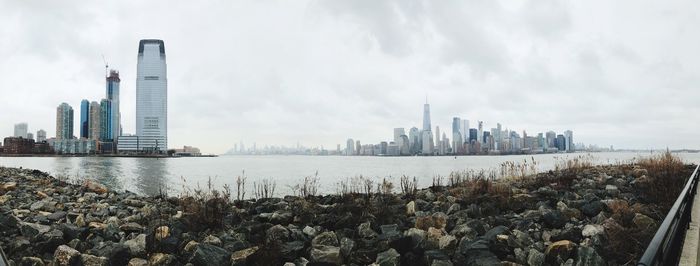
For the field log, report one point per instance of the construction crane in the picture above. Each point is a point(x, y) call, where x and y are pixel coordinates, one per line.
point(106, 65)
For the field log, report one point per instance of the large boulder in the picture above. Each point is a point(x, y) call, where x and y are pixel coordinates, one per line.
point(325, 238)
point(65, 256)
point(240, 257)
point(206, 254)
point(388, 258)
point(326, 254)
point(137, 246)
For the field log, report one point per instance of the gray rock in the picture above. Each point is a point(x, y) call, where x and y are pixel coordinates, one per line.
point(206, 254)
point(137, 262)
point(388, 258)
point(212, 240)
point(240, 257)
point(32, 230)
point(346, 246)
point(441, 263)
point(592, 229)
point(309, 231)
point(535, 258)
point(416, 235)
point(326, 239)
point(137, 246)
point(612, 190)
point(554, 219)
point(292, 250)
point(65, 256)
point(365, 231)
point(326, 254)
point(8, 221)
point(587, 256)
point(463, 230)
point(90, 260)
point(276, 235)
point(447, 242)
point(411, 208)
point(520, 255)
point(453, 208)
point(592, 209)
point(31, 261)
point(519, 239)
point(642, 221)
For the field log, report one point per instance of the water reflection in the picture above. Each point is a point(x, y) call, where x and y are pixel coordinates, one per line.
point(104, 170)
point(151, 175)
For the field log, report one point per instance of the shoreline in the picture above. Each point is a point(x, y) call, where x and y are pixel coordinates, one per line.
point(569, 216)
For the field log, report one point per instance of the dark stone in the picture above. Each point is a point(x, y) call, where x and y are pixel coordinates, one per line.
point(592, 209)
point(47, 242)
point(571, 233)
point(71, 231)
point(554, 219)
point(292, 250)
point(56, 216)
point(498, 230)
point(116, 253)
point(9, 222)
point(206, 254)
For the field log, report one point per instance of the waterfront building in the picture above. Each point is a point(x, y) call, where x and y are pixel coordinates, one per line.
point(18, 145)
point(383, 147)
point(550, 139)
point(358, 147)
point(152, 96)
point(21, 130)
point(112, 94)
point(75, 146)
point(414, 140)
point(480, 132)
point(95, 121)
point(105, 125)
point(472, 135)
point(41, 135)
point(426, 116)
point(427, 142)
point(128, 144)
point(561, 142)
point(350, 147)
point(569, 139)
point(404, 147)
point(64, 121)
point(397, 134)
point(84, 119)
point(465, 130)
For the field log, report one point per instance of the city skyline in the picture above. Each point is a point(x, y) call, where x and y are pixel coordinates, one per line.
point(324, 71)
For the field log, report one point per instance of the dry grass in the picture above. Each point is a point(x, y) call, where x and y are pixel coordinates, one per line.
point(667, 175)
point(207, 206)
point(265, 189)
point(308, 187)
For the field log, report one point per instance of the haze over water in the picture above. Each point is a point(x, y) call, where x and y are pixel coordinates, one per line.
point(148, 175)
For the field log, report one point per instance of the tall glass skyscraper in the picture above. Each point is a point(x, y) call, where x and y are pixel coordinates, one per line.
point(105, 124)
point(112, 93)
point(152, 96)
point(84, 118)
point(64, 122)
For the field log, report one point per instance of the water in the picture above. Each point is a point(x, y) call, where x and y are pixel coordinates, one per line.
point(149, 175)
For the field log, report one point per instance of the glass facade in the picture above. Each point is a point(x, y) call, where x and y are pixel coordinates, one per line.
point(112, 93)
point(152, 96)
point(84, 118)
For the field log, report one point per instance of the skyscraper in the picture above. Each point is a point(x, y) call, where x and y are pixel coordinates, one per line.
point(64, 121)
point(152, 96)
point(480, 133)
point(569, 145)
point(105, 125)
point(465, 130)
point(426, 116)
point(94, 131)
point(84, 118)
point(21, 130)
point(112, 94)
point(40, 135)
point(397, 134)
point(350, 147)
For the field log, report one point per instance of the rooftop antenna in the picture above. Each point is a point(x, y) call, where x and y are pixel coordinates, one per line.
point(106, 65)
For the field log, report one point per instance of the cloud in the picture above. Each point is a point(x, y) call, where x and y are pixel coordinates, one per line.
point(318, 72)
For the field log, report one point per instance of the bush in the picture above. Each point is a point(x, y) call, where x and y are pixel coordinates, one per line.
point(666, 178)
point(206, 206)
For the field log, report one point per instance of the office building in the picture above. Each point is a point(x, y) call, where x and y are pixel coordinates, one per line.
point(112, 94)
point(569, 139)
point(95, 122)
point(350, 147)
point(21, 130)
point(64, 121)
point(84, 118)
point(105, 124)
point(41, 135)
point(152, 96)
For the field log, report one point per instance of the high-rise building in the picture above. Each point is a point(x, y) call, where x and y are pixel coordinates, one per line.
point(95, 121)
point(41, 135)
point(84, 118)
point(350, 147)
point(21, 130)
point(397, 134)
point(569, 139)
point(152, 96)
point(426, 116)
point(480, 133)
point(551, 139)
point(64, 121)
point(473, 134)
point(465, 130)
point(105, 125)
point(358, 147)
point(427, 142)
point(414, 140)
point(112, 94)
point(561, 142)
point(30, 136)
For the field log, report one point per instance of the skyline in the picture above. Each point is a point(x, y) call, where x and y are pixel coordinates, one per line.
point(325, 71)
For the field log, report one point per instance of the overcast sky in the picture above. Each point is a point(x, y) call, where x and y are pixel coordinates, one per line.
point(621, 73)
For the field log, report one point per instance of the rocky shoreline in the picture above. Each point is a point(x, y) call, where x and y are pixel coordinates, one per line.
point(567, 217)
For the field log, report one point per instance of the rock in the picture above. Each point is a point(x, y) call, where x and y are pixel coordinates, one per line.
point(93, 186)
point(90, 260)
point(453, 208)
point(587, 256)
point(8, 186)
point(65, 255)
point(554, 219)
point(535, 258)
point(4, 199)
point(642, 221)
point(388, 258)
point(212, 240)
point(161, 259)
point(32, 230)
point(309, 231)
point(612, 190)
point(441, 263)
point(80, 220)
point(326, 239)
point(521, 255)
point(206, 254)
point(292, 250)
point(411, 208)
point(638, 172)
point(562, 249)
point(56, 216)
point(49, 241)
point(416, 235)
point(240, 257)
point(592, 209)
point(424, 222)
point(9, 222)
point(326, 254)
point(365, 231)
point(190, 246)
point(137, 246)
point(519, 239)
point(592, 229)
point(131, 227)
point(346, 246)
point(137, 262)
point(439, 220)
point(448, 242)
point(276, 235)
point(162, 232)
point(281, 217)
point(463, 230)
point(31, 261)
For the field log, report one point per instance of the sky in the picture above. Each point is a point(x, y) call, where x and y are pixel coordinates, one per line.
point(622, 73)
